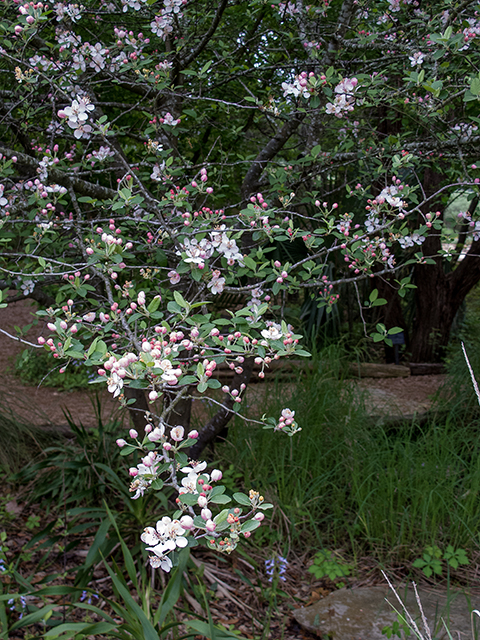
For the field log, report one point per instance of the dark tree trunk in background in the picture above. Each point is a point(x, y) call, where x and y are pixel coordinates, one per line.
point(391, 314)
point(137, 409)
point(439, 294)
point(438, 298)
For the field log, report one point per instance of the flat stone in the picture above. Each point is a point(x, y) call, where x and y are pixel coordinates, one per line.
point(378, 370)
point(361, 614)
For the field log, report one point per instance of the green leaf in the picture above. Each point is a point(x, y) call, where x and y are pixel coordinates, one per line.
point(222, 499)
point(31, 618)
point(250, 525)
point(241, 498)
point(71, 629)
point(174, 589)
point(250, 263)
point(179, 300)
point(93, 554)
point(149, 632)
point(206, 631)
point(188, 499)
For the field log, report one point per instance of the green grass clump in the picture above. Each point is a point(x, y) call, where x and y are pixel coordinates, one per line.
point(346, 481)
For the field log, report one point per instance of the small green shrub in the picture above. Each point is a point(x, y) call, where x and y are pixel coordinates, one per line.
point(327, 564)
point(36, 366)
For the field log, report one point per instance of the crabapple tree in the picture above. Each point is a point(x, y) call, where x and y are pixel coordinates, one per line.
point(172, 171)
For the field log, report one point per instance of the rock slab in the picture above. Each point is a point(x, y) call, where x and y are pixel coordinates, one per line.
point(361, 614)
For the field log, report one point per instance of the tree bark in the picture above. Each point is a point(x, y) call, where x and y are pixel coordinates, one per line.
point(138, 409)
point(223, 416)
point(439, 295)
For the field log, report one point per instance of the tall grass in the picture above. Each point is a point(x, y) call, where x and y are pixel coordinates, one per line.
point(347, 481)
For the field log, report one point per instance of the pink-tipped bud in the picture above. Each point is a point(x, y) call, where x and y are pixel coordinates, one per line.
point(121, 442)
point(133, 434)
point(210, 525)
point(216, 475)
point(186, 522)
point(202, 501)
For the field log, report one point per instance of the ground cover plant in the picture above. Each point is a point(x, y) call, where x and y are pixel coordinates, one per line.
point(173, 174)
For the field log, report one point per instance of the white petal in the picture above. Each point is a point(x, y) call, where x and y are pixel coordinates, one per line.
point(150, 536)
point(181, 542)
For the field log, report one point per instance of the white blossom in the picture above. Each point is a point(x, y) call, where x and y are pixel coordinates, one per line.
point(274, 332)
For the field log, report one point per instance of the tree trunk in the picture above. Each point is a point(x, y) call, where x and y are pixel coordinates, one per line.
point(390, 314)
point(137, 409)
point(439, 295)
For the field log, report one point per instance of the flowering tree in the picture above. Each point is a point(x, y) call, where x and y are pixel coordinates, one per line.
point(171, 171)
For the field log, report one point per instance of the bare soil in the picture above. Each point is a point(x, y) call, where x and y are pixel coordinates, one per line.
point(41, 406)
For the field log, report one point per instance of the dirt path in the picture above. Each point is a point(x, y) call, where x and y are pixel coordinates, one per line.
point(41, 405)
point(46, 405)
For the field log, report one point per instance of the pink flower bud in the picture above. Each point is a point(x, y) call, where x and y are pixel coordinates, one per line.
point(202, 501)
point(206, 514)
point(156, 435)
point(152, 396)
point(193, 434)
point(210, 525)
point(216, 475)
point(259, 516)
point(186, 522)
point(121, 442)
point(133, 434)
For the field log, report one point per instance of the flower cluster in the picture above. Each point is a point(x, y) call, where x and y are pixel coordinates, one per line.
point(195, 491)
point(278, 563)
point(301, 86)
point(71, 12)
point(344, 99)
point(163, 24)
point(77, 114)
point(416, 59)
point(473, 224)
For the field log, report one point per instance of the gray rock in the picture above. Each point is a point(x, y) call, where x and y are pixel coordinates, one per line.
point(361, 614)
